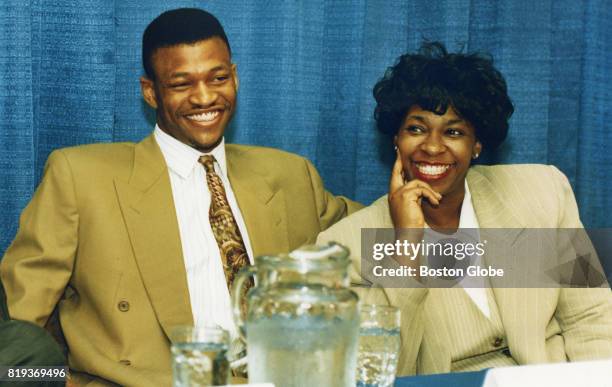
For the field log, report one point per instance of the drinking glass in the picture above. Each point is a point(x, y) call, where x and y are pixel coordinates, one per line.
point(379, 344)
point(199, 356)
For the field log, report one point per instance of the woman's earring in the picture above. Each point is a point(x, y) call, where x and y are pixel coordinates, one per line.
point(475, 156)
point(395, 148)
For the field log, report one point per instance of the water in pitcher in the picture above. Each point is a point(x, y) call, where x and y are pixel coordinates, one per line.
point(305, 351)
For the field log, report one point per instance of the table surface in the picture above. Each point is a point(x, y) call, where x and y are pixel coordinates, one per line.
point(457, 379)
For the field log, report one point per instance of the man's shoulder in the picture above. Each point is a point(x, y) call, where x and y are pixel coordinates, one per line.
point(99, 158)
point(97, 149)
point(376, 215)
point(255, 152)
point(269, 161)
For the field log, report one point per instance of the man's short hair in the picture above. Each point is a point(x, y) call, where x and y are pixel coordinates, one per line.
point(176, 27)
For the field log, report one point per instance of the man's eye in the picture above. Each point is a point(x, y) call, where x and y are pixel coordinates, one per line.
point(221, 78)
point(178, 86)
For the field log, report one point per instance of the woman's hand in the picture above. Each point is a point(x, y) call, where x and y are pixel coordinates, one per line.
point(405, 199)
point(406, 212)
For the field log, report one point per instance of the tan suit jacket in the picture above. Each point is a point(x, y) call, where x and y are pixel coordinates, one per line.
point(541, 325)
point(100, 241)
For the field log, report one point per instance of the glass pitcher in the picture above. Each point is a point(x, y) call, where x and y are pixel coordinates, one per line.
point(302, 321)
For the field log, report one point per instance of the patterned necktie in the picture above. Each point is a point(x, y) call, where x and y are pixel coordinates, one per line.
point(224, 227)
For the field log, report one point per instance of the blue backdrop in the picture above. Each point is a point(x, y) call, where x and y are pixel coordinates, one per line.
point(69, 75)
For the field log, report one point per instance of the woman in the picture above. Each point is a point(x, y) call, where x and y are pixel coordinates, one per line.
point(442, 110)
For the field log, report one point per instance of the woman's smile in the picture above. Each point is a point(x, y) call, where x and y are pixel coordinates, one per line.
point(430, 171)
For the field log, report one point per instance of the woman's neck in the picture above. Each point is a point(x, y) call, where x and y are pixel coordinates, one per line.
point(446, 215)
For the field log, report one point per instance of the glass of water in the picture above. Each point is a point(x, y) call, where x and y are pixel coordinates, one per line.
point(199, 356)
point(379, 345)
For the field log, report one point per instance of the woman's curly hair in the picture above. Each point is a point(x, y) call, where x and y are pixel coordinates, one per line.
point(434, 79)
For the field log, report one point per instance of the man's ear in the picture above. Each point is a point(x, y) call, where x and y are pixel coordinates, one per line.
point(147, 88)
point(235, 76)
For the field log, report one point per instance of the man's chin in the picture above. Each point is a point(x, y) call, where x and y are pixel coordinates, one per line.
point(206, 146)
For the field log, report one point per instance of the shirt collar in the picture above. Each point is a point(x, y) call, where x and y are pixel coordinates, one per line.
point(181, 158)
point(467, 218)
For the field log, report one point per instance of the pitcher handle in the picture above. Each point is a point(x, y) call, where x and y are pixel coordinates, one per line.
point(239, 279)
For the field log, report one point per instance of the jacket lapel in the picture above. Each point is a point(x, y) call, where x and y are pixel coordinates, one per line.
point(262, 207)
point(489, 205)
point(149, 213)
point(521, 309)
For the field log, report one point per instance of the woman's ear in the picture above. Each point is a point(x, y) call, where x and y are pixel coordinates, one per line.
point(476, 150)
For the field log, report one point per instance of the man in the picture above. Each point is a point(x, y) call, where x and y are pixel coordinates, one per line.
point(124, 238)
point(23, 344)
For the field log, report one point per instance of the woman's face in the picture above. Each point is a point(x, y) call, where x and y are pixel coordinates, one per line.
point(437, 149)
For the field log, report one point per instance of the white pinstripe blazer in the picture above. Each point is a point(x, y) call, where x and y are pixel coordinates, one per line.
point(541, 325)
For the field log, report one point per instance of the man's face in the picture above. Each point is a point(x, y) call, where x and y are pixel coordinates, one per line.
point(194, 91)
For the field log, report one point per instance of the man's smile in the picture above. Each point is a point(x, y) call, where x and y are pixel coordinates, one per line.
point(205, 118)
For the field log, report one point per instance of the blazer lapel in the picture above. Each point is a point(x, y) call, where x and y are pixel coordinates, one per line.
point(521, 309)
point(489, 205)
point(262, 207)
point(149, 213)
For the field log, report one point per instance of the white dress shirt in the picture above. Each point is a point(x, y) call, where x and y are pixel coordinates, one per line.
point(468, 223)
point(208, 292)
point(468, 220)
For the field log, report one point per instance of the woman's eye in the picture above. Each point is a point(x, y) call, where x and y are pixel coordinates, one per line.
point(414, 129)
point(454, 132)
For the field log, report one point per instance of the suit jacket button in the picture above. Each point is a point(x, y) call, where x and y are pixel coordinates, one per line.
point(498, 342)
point(125, 362)
point(123, 306)
point(506, 352)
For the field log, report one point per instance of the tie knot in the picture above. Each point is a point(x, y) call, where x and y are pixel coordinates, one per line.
point(208, 162)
